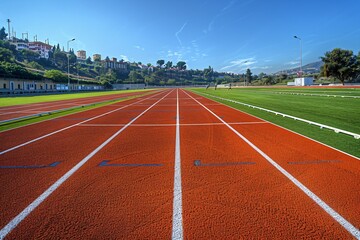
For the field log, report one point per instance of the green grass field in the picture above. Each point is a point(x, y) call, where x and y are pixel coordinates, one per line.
point(18, 100)
point(339, 112)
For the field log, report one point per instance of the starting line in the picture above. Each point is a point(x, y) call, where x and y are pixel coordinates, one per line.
point(170, 125)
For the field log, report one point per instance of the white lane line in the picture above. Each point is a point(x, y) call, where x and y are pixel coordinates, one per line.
point(68, 127)
point(177, 224)
point(170, 124)
point(335, 215)
point(21, 216)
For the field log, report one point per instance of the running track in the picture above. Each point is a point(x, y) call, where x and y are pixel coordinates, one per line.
point(173, 165)
point(17, 111)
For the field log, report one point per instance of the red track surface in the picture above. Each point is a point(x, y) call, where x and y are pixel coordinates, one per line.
point(136, 202)
point(17, 111)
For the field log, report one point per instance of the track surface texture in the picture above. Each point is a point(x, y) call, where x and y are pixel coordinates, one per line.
point(173, 164)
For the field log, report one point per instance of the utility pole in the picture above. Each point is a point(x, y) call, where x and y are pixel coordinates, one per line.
point(27, 36)
point(9, 33)
point(300, 54)
point(68, 55)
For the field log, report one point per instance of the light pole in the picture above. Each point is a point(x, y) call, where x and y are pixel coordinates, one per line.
point(300, 54)
point(68, 53)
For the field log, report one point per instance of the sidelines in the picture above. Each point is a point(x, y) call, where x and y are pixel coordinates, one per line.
point(68, 127)
point(319, 95)
point(177, 224)
point(336, 130)
point(21, 216)
point(335, 215)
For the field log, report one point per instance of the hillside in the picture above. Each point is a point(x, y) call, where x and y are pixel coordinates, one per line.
point(307, 69)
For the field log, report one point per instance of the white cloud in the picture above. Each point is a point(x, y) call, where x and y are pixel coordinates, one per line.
point(178, 32)
point(125, 58)
point(140, 48)
point(230, 4)
point(240, 63)
point(292, 63)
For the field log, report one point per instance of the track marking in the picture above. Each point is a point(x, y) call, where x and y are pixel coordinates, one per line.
point(68, 127)
point(54, 164)
point(170, 124)
point(316, 162)
point(335, 215)
point(197, 163)
point(106, 164)
point(177, 224)
point(21, 216)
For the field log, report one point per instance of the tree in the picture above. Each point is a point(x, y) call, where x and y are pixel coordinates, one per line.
point(88, 60)
point(135, 77)
point(248, 75)
point(72, 58)
point(181, 65)
point(208, 73)
point(55, 75)
point(3, 35)
point(8, 69)
point(269, 80)
point(160, 63)
point(168, 65)
point(35, 65)
point(25, 54)
point(60, 59)
point(171, 82)
point(6, 55)
point(340, 64)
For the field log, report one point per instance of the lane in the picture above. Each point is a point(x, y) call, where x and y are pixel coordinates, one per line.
point(13, 138)
point(249, 199)
point(20, 186)
point(11, 112)
point(115, 201)
point(330, 173)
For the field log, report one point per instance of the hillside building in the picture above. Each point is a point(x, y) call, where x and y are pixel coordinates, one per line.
point(81, 54)
point(42, 48)
point(97, 57)
point(114, 64)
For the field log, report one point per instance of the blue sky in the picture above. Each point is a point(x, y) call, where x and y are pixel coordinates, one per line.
point(229, 35)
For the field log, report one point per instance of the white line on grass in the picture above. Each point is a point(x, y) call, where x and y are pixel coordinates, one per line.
point(336, 130)
point(177, 224)
point(335, 215)
point(71, 126)
point(21, 216)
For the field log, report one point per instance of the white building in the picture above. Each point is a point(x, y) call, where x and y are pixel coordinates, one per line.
point(20, 44)
point(81, 54)
point(306, 81)
point(42, 48)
